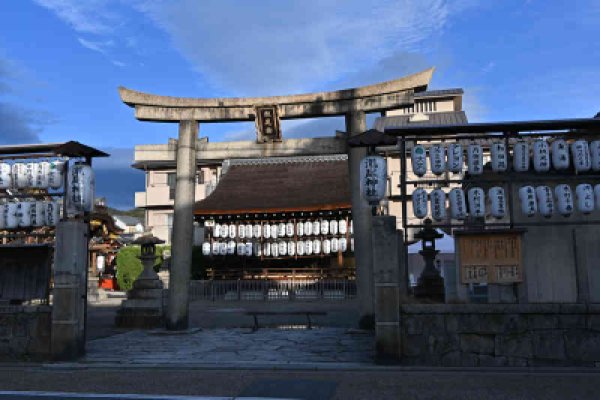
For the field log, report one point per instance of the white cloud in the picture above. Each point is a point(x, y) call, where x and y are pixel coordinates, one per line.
point(274, 47)
point(84, 16)
point(99, 46)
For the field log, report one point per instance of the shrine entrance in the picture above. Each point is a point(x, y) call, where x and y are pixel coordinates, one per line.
point(266, 112)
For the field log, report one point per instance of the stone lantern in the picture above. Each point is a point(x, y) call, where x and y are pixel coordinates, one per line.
point(144, 305)
point(430, 284)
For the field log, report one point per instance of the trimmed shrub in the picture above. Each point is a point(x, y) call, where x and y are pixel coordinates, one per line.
point(129, 267)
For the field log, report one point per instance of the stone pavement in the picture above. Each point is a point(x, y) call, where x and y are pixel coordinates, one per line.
point(234, 346)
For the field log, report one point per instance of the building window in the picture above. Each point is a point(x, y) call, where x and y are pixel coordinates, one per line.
point(171, 181)
point(200, 177)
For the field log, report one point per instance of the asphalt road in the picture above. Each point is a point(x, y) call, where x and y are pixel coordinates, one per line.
point(393, 383)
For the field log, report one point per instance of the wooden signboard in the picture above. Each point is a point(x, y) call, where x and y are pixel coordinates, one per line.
point(490, 257)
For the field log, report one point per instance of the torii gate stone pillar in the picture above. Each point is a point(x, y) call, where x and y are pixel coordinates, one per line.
point(266, 113)
point(183, 227)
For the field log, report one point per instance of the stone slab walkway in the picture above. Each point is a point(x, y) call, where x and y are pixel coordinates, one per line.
point(234, 346)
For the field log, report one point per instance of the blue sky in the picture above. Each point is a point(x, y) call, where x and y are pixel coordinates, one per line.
point(61, 62)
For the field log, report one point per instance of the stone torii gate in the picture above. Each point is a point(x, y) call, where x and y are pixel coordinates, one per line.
point(267, 112)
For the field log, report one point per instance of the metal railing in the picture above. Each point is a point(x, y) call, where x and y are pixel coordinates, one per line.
point(269, 290)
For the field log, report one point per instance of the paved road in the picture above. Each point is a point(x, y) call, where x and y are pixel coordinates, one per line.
point(351, 384)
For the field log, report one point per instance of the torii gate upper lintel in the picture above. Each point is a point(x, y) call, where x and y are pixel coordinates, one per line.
point(266, 112)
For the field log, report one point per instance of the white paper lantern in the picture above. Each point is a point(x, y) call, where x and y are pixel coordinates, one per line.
point(499, 157)
point(316, 246)
point(281, 230)
point(3, 212)
point(308, 247)
point(585, 198)
point(324, 227)
point(24, 211)
point(241, 231)
point(257, 231)
point(351, 227)
point(475, 159)
point(419, 200)
point(594, 153)
point(300, 248)
point(43, 172)
point(560, 154)
point(437, 158)
point(267, 249)
point(258, 250)
point(240, 248)
point(458, 207)
point(528, 200)
point(597, 196)
point(300, 229)
point(6, 180)
point(217, 230)
point(81, 189)
point(266, 231)
point(316, 228)
point(521, 156)
point(352, 244)
point(545, 200)
point(35, 172)
point(373, 178)
point(274, 249)
point(438, 204)
point(222, 248)
point(274, 231)
point(476, 202)
point(291, 248)
point(333, 227)
point(19, 175)
point(581, 156)
point(335, 245)
point(52, 212)
point(289, 229)
point(12, 215)
point(497, 202)
point(419, 160)
point(231, 247)
point(55, 174)
point(228, 231)
point(326, 246)
point(282, 248)
point(455, 157)
point(541, 156)
point(38, 213)
point(343, 226)
point(308, 228)
point(215, 248)
point(249, 248)
point(249, 231)
point(343, 245)
point(205, 248)
point(564, 199)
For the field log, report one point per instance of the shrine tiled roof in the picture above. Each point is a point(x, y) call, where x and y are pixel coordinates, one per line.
point(300, 185)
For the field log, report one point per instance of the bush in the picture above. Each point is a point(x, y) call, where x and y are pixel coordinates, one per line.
point(129, 266)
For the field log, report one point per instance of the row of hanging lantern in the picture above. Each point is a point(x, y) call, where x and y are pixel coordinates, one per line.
point(279, 248)
point(540, 199)
point(280, 230)
point(585, 157)
point(545, 200)
point(458, 203)
point(29, 213)
point(32, 175)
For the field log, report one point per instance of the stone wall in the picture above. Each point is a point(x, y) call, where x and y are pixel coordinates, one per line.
point(25, 332)
point(484, 335)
